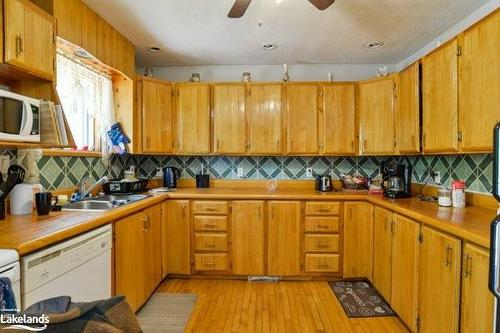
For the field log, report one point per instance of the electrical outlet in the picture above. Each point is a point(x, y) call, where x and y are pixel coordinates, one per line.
point(437, 177)
point(309, 172)
point(4, 164)
point(240, 173)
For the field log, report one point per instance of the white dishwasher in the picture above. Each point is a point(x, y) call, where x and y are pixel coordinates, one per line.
point(79, 267)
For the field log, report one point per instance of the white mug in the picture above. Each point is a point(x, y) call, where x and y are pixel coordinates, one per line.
point(22, 197)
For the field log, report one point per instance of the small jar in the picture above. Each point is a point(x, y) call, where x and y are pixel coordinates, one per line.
point(195, 77)
point(458, 194)
point(246, 77)
point(444, 197)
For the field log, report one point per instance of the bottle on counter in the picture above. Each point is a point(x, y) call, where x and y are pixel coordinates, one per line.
point(458, 193)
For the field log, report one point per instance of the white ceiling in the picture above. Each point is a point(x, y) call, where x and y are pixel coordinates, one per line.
point(198, 32)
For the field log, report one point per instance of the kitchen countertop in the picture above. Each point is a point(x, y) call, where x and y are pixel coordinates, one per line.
point(29, 232)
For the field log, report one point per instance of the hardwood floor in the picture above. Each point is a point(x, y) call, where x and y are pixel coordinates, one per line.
point(241, 306)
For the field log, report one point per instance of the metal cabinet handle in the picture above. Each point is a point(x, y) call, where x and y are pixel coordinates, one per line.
point(468, 266)
point(322, 246)
point(209, 209)
point(18, 45)
point(320, 226)
point(323, 210)
point(323, 266)
point(449, 256)
point(210, 226)
point(209, 264)
point(210, 246)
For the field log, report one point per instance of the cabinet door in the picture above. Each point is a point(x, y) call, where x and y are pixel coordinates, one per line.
point(89, 32)
point(104, 41)
point(382, 251)
point(477, 310)
point(247, 237)
point(229, 118)
point(193, 119)
point(339, 119)
point(405, 257)
point(440, 99)
point(176, 237)
point(69, 20)
point(153, 257)
point(156, 113)
point(264, 119)
point(284, 237)
point(130, 279)
point(358, 240)
point(408, 110)
point(29, 38)
point(376, 116)
point(439, 282)
point(302, 118)
point(479, 84)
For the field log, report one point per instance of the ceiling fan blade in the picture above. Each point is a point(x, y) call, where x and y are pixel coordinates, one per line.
point(239, 8)
point(322, 4)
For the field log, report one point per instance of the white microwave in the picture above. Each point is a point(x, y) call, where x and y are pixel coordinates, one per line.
point(19, 117)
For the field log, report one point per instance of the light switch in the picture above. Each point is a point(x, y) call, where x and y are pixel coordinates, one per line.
point(240, 173)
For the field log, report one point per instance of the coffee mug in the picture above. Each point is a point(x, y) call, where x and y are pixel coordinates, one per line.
point(44, 203)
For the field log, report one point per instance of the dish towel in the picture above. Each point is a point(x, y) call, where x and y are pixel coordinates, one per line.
point(7, 298)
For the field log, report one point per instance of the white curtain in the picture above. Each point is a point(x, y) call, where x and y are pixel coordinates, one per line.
point(87, 101)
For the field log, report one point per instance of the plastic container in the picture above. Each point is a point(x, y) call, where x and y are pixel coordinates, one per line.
point(458, 193)
point(444, 197)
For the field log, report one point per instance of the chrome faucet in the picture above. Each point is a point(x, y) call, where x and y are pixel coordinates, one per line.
point(83, 192)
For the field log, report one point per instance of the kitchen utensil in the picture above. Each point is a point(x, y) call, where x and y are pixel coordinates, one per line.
point(324, 183)
point(8, 185)
point(119, 186)
point(14, 168)
point(170, 177)
point(44, 202)
point(21, 198)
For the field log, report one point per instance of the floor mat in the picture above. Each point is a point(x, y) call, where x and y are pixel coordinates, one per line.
point(166, 312)
point(360, 299)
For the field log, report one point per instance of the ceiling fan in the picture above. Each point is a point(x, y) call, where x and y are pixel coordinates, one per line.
point(240, 6)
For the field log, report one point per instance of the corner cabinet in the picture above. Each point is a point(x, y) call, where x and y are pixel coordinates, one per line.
point(376, 116)
point(440, 100)
point(29, 38)
point(155, 106)
point(192, 118)
point(302, 100)
point(138, 263)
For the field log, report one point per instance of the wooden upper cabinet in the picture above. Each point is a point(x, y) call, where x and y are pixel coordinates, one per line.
point(155, 103)
point(405, 261)
point(302, 118)
point(264, 104)
point(229, 118)
point(440, 99)
point(382, 251)
point(358, 240)
point(408, 110)
point(104, 41)
point(339, 119)
point(477, 306)
point(376, 116)
point(193, 118)
point(283, 242)
point(89, 31)
point(479, 84)
point(29, 34)
point(439, 282)
point(69, 20)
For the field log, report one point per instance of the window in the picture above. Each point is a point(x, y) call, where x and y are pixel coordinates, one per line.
point(87, 100)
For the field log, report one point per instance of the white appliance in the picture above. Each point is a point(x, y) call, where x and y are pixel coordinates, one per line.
point(9, 268)
point(79, 267)
point(19, 117)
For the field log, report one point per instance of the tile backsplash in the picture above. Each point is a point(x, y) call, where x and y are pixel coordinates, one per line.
point(64, 172)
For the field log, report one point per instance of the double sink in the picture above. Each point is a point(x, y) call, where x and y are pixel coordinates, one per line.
point(104, 203)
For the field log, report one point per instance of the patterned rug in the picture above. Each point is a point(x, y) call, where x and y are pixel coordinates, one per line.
point(360, 299)
point(166, 313)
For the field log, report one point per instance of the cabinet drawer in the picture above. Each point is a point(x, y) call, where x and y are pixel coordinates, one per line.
point(211, 207)
point(210, 223)
point(210, 262)
point(210, 242)
point(322, 208)
point(323, 263)
point(322, 243)
point(322, 224)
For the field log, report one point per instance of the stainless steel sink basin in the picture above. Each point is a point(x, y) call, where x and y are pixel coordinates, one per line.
point(104, 203)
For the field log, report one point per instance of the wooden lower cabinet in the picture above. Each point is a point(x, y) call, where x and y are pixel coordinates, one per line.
point(284, 231)
point(382, 251)
point(138, 264)
point(477, 302)
point(176, 237)
point(247, 237)
point(405, 261)
point(358, 240)
point(439, 282)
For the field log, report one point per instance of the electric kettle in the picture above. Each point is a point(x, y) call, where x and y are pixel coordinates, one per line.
point(170, 176)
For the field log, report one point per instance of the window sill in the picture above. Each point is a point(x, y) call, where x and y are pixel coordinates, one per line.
point(71, 152)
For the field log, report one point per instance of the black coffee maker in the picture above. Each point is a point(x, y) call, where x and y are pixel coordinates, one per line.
point(170, 176)
point(396, 179)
